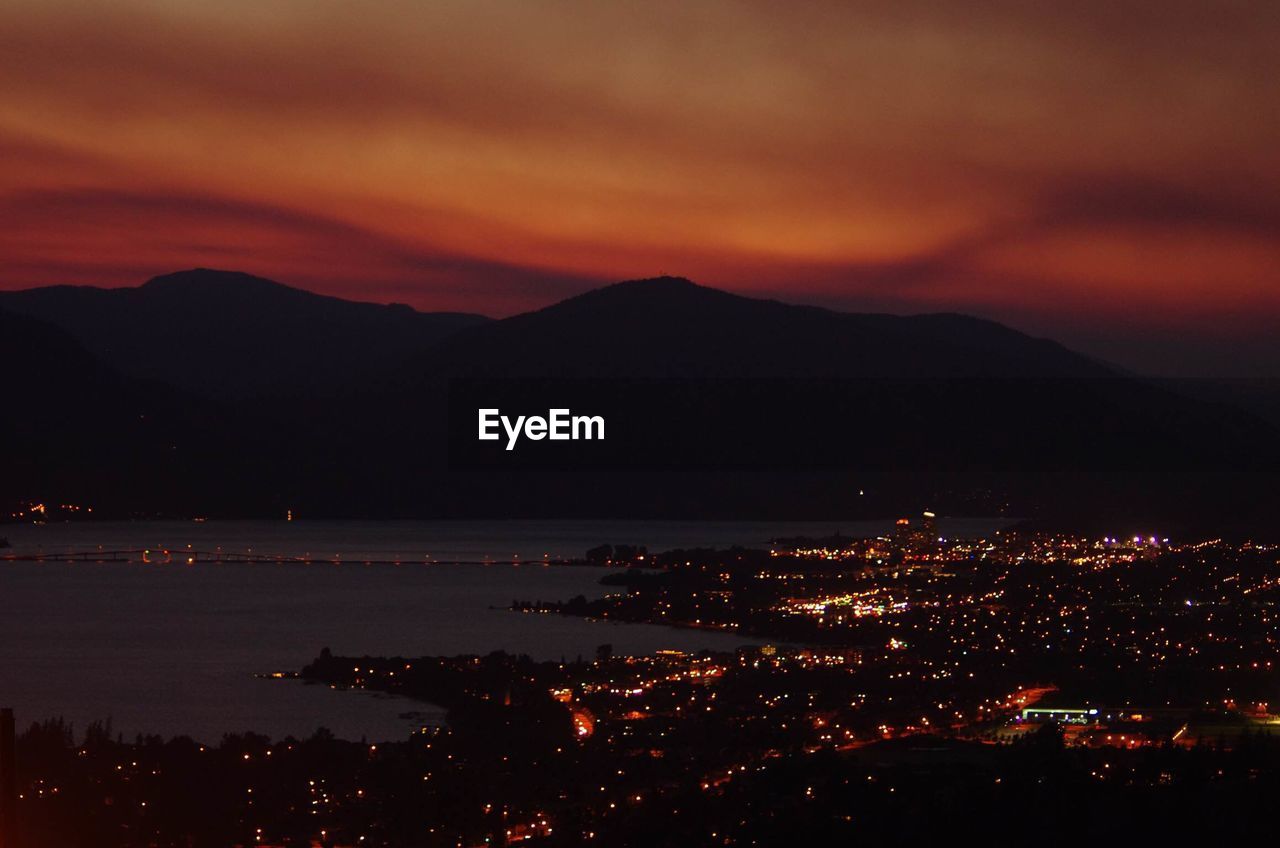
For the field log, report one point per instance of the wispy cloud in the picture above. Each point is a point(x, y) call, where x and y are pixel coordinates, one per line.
point(995, 156)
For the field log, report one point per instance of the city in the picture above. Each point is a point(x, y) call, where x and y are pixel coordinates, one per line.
point(939, 345)
point(891, 682)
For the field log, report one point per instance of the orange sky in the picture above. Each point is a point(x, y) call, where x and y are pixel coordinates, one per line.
point(1104, 172)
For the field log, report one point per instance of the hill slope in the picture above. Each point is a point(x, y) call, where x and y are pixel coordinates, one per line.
point(694, 378)
point(76, 431)
point(232, 335)
point(702, 390)
point(669, 327)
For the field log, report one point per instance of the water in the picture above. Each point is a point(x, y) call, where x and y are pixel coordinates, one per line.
point(173, 649)
point(438, 540)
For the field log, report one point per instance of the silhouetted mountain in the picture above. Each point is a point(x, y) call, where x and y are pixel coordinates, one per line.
point(1259, 395)
point(232, 335)
point(717, 387)
point(696, 377)
point(717, 406)
point(76, 430)
point(671, 327)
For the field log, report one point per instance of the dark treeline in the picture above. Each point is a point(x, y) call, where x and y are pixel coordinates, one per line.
point(102, 792)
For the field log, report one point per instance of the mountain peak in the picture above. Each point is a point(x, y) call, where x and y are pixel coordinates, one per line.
point(660, 294)
point(667, 326)
point(206, 279)
point(230, 334)
point(664, 282)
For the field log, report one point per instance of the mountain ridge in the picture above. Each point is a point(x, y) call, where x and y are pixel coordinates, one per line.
point(705, 385)
point(673, 325)
point(231, 335)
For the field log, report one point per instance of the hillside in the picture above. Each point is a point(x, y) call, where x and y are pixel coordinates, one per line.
point(668, 327)
point(234, 336)
point(717, 406)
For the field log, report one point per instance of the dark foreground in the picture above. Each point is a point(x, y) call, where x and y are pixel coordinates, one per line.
point(428, 792)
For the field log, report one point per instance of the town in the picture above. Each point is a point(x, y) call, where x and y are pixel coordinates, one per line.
point(887, 688)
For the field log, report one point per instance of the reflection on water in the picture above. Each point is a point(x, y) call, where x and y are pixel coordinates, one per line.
point(173, 649)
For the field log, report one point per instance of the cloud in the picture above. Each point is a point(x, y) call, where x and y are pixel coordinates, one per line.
point(1120, 200)
point(991, 157)
point(97, 235)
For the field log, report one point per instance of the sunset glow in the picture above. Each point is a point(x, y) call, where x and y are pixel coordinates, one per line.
point(1030, 162)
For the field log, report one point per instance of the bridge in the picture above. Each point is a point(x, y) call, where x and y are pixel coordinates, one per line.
point(188, 556)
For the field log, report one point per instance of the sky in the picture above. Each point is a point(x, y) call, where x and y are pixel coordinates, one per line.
point(1102, 172)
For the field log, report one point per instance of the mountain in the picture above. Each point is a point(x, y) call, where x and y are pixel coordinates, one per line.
point(671, 327)
point(725, 406)
point(231, 335)
point(716, 406)
point(77, 431)
point(1259, 395)
point(696, 377)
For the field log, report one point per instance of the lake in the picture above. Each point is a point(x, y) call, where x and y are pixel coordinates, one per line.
point(173, 649)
